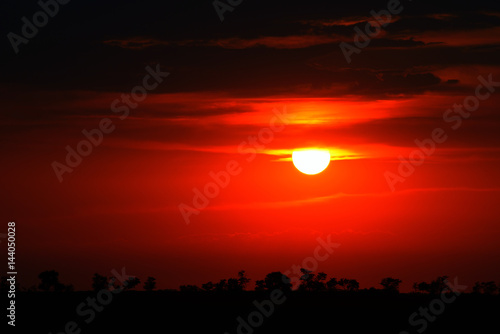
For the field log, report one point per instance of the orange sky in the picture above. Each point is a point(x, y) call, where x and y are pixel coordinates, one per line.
point(120, 206)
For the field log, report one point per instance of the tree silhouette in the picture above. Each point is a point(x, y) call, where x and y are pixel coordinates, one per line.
point(312, 282)
point(422, 287)
point(243, 280)
point(490, 288)
point(99, 282)
point(306, 274)
point(309, 281)
point(348, 284)
point(50, 281)
point(128, 284)
point(343, 283)
point(276, 280)
point(189, 288)
point(391, 284)
point(114, 283)
point(332, 284)
point(209, 286)
point(233, 285)
point(131, 283)
point(352, 285)
point(487, 288)
point(439, 285)
point(321, 277)
point(435, 287)
point(319, 282)
point(260, 285)
point(150, 284)
point(221, 285)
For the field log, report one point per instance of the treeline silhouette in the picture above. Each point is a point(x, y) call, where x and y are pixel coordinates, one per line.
point(308, 282)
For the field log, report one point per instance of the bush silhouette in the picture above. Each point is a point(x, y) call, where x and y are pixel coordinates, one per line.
point(50, 282)
point(391, 284)
point(150, 284)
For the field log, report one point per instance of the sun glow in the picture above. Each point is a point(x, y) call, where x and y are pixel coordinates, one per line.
point(311, 161)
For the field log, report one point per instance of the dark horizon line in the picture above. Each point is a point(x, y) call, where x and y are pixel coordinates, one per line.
point(307, 282)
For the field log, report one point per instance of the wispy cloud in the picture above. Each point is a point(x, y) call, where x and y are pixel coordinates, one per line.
point(216, 237)
point(135, 43)
point(324, 199)
point(275, 42)
point(345, 21)
point(284, 42)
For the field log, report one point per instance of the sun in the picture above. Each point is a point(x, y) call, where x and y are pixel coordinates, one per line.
point(311, 161)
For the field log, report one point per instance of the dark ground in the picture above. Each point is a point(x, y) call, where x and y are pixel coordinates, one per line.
point(176, 312)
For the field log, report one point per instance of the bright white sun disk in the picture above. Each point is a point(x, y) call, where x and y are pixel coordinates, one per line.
point(312, 161)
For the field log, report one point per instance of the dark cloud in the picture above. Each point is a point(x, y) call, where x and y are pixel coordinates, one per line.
point(261, 48)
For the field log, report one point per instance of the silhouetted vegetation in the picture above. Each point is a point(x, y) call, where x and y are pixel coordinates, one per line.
point(487, 288)
point(391, 284)
point(189, 288)
point(272, 281)
point(99, 282)
point(49, 281)
point(309, 282)
point(231, 285)
point(435, 287)
point(131, 283)
point(150, 284)
point(312, 282)
point(215, 307)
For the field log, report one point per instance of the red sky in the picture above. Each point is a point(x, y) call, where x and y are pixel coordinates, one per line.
point(120, 206)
